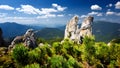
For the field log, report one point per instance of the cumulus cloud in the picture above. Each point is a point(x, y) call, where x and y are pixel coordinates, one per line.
point(117, 5)
point(28, 9)
point(32, 10)
point(47, 10)
point(83, 16)
point(92, 14)
point(43, 12)
point(6, 7)
point(96, 7)
point(112, 13)
point(59, 8)
point(109, 5)
point(95, 13)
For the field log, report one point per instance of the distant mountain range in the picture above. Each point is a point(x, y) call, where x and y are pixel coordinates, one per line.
point(12, 29)
point(106, 31)
point(103, 31)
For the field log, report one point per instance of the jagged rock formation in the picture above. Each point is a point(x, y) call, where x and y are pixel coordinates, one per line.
point(71, 28)
point(73, 32)
point(27, 39)
point(85, 30)
point(1, 38)
point(86, 27)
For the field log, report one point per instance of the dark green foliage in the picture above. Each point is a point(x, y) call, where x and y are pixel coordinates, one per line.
point(65, 54)
point(56, 61)
point(34, 55)
point(34, 65)
point(115, 54)
point(6, 59)
point(40, 40)
point(20, 54)
point(88, 52)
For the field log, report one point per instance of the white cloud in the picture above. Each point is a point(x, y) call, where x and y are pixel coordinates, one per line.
point(117, 5)
point(112, 13)
point(99, 14)
point(50, 16)
point(92, 14)
point(47, 10)
point(54, 5)
point(96, 7)
point(43, 12)
point(6, 7)
point(95, 13)
point(59, 8)
point(109, 5)
point(28, 9)
point(83, 16)
point(3, 14)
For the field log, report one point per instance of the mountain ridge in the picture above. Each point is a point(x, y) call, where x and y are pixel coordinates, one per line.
point(103, 31)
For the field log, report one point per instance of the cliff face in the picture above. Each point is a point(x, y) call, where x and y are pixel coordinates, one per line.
point(1, 38)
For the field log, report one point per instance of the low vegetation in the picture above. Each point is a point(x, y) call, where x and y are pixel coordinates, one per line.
point(64, 55)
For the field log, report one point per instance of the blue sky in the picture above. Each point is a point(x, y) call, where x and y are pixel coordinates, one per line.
point(53, 13)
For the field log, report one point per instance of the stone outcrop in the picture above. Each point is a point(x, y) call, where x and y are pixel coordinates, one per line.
point(27, 39)
point(1, 38)
point(73, 32)
point(71, 28)
point(86, 27)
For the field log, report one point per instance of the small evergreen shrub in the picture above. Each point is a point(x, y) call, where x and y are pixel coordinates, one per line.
point(68, 55)
point(34, 65)
point(20, 54)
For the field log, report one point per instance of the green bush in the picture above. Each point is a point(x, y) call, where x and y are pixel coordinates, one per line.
point(20, 54)
point(68, 55)
point(34, 55)
point(56, 61)
point(88, 51)
point(103, 53)
point(34, 65)
point(115, 54)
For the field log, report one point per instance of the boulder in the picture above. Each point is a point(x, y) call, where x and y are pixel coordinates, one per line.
point(28, 39)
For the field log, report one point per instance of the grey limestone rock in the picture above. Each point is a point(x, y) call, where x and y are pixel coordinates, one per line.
point(28, 39)
point(73, 32)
